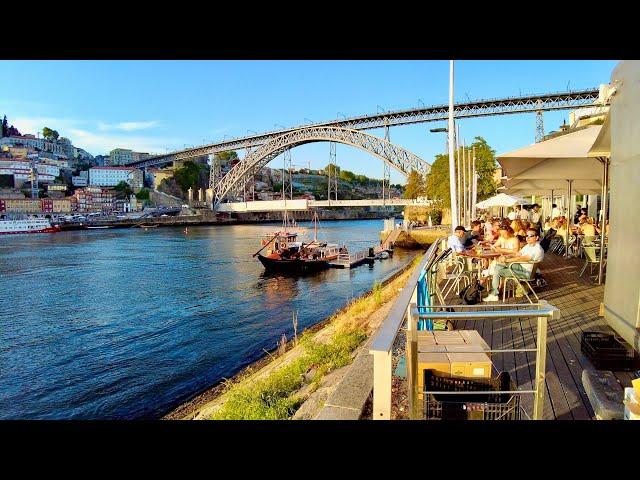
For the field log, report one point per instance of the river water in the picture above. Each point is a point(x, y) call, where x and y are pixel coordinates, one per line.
point(127, 324)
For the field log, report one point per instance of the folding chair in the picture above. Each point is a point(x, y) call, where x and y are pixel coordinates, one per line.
point(522, 281)
point(592, 257)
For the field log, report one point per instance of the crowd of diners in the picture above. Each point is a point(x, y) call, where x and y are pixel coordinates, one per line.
point(521, 239)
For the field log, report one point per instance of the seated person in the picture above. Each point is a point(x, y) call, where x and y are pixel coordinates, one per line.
point(588, 229)
point(455, 241)
point(495, 230)
point(474, 235)
point(531, 252)
point(506, 244)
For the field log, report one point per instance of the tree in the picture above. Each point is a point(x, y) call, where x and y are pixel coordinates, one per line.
point(225, 157)
point(187, 176)
point(5, 127)
point(415, 185)
point(332, 169)
point(143, 194)
point(47, 133)
point(437, 185)
point(123, 189)
point(347, 176)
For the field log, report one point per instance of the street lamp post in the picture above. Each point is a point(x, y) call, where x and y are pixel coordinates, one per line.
point(452, 164)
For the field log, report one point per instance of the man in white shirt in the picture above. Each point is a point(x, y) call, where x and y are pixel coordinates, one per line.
point(524, 214)
point(513, 214)
point(455, 241)
point(555, 212)
point(531, 252)
point(535, 214)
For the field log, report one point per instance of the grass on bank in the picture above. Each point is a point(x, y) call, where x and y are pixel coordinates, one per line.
point(271, 398)
point(274, 397)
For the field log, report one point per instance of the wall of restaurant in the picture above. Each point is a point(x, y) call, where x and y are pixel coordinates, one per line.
point(622, 288)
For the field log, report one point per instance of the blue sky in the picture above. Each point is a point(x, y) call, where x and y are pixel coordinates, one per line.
point(154, 105)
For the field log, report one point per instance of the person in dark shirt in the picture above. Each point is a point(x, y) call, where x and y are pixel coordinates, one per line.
point(576, 217)
point(474, 235)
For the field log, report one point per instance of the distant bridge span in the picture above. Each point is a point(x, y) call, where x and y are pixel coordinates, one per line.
point(397, 157)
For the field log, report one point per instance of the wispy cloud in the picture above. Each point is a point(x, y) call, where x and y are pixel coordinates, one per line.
point(128, 126)
point(94, 138)
point(99, 143)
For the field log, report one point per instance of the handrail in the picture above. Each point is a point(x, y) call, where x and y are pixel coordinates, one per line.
point(383, 342)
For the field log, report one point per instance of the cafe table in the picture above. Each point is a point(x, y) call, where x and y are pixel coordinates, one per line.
point(472, 254)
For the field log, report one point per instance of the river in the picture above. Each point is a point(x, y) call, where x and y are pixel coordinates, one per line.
point(127, 324)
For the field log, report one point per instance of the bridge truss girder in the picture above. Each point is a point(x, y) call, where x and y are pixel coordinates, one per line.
point(396, 156)
point(479, 108)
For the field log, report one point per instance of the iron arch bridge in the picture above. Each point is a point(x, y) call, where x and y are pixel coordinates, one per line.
point(231, 183)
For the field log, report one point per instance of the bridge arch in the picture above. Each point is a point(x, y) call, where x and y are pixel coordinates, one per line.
point(394, 155)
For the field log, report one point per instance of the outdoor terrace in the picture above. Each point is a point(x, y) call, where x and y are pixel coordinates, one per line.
point(578, 299)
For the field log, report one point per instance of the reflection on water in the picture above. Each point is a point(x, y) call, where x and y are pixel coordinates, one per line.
point(129, 323)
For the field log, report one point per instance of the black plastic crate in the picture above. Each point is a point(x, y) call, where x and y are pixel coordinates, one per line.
point(482, 406)
point(606, 352)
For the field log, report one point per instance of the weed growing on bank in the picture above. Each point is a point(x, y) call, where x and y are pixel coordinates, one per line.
point(271, 399)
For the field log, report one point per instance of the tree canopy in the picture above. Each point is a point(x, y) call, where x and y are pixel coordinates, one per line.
point(437, 185)
point(227, 156)
point(50, 134)
point(188, 175)
point(331, 168)
point(415, 185)
point(123, 189)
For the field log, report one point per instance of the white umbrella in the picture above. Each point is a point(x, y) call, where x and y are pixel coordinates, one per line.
point(500, 200)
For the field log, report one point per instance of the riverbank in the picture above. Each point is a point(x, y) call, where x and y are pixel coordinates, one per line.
point(302, 368)
point(210, 219)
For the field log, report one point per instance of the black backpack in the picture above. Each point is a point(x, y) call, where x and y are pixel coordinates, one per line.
point(470, 294)
point(545, 243)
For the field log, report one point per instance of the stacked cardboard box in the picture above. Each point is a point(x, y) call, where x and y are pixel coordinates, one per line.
point(451, 353)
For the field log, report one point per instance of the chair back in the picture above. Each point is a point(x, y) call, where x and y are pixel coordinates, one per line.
point(592, 253)
point(534, 270)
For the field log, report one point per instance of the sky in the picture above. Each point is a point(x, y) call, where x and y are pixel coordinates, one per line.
point(160, 106)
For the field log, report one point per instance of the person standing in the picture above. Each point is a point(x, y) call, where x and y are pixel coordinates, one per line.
point(535, 215)
point(513, 213)
point(576, 217)
point(555, 211)
point(524, 214)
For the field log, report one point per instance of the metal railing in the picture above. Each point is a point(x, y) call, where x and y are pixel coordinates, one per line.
point(541, 312)
point(406, 309)
point(382, 345)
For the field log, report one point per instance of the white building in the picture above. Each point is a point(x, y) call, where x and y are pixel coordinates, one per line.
point(21, 170)
point(112, 176)
point(61, 147)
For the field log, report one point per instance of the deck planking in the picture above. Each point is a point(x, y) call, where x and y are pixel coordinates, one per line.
point(578, 300)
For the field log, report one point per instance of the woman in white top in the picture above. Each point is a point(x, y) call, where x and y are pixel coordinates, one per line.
point(507, 243)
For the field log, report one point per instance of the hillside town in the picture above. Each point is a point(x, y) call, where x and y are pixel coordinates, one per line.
point(45, 174)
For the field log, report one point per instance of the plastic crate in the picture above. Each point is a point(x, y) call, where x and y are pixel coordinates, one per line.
point(482, 406)
point(606, 352)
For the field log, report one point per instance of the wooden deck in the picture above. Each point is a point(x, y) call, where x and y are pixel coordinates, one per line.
point(578, 300)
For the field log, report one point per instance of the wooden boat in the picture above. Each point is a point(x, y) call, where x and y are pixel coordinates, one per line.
point(282, 252)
